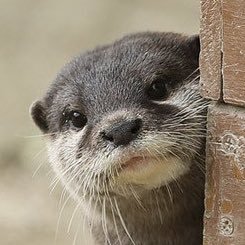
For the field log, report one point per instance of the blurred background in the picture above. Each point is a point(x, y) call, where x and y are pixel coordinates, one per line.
point(36, 39)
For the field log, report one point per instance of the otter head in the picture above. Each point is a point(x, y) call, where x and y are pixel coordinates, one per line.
point(125, 117)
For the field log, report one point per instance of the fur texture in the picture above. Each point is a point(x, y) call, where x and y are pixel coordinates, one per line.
point(151, 190)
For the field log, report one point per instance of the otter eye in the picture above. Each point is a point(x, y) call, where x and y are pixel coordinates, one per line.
point(77, 119)
point(157, 90)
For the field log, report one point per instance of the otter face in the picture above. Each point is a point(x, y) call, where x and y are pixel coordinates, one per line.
point(126, 117)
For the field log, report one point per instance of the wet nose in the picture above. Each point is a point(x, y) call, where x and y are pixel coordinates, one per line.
point(123, 133)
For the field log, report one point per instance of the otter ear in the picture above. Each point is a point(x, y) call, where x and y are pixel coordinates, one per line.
point(38, 114)
point(193, 44)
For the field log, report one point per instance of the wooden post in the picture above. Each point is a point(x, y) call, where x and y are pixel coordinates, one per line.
point(222, 67)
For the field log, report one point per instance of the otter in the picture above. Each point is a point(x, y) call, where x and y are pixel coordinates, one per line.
point(125, 127)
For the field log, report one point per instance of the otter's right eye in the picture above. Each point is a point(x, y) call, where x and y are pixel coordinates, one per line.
point(76, 119)
point(157, 90)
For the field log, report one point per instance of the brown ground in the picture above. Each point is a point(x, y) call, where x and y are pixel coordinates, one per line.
point(36, 39)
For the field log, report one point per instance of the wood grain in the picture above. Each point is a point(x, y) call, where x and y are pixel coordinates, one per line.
point(211, 40)
point(224, 218)
point(234, 51)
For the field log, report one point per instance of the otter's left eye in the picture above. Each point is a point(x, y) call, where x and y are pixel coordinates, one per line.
point(157, 90)
point(77, 119)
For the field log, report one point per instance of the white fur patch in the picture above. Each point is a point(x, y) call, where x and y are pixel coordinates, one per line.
point(153, 174)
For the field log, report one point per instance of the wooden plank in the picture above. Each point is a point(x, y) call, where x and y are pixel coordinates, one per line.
point(234, 51)
point(211, 55)
point(224, 218)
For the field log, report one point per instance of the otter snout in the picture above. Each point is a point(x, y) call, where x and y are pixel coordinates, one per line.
point(122, 133)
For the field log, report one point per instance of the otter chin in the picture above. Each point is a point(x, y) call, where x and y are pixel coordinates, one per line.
point(151, 172)
point(125, 126)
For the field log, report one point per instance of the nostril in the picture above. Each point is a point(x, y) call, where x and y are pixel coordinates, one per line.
point(135, 130)
point(136, 126)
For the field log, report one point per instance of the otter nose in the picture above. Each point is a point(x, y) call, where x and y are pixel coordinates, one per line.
point(123, 133)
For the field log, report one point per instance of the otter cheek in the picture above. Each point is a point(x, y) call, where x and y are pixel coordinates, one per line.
point(62, 152)
point(54, 148)
point(155, 173)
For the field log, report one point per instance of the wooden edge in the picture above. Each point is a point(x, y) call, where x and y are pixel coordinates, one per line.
point(211, 45)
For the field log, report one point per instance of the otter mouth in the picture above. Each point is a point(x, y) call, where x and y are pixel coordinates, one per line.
point(136, 162)
point(148, 172)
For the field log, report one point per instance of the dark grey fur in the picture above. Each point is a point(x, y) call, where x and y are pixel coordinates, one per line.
point(113, 78)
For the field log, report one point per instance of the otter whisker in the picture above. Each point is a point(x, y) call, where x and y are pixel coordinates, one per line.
point(76, 234)
point(62, 174)
point(96, 200)
point(158, 207)
point(62, 196)
point(60, 216)
point(191, 74)
point(73, 215)
point(169, 192)
point(114, 222)
point(136, 197)
point(122, 221)
point(36, 136)
point(104, 223)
